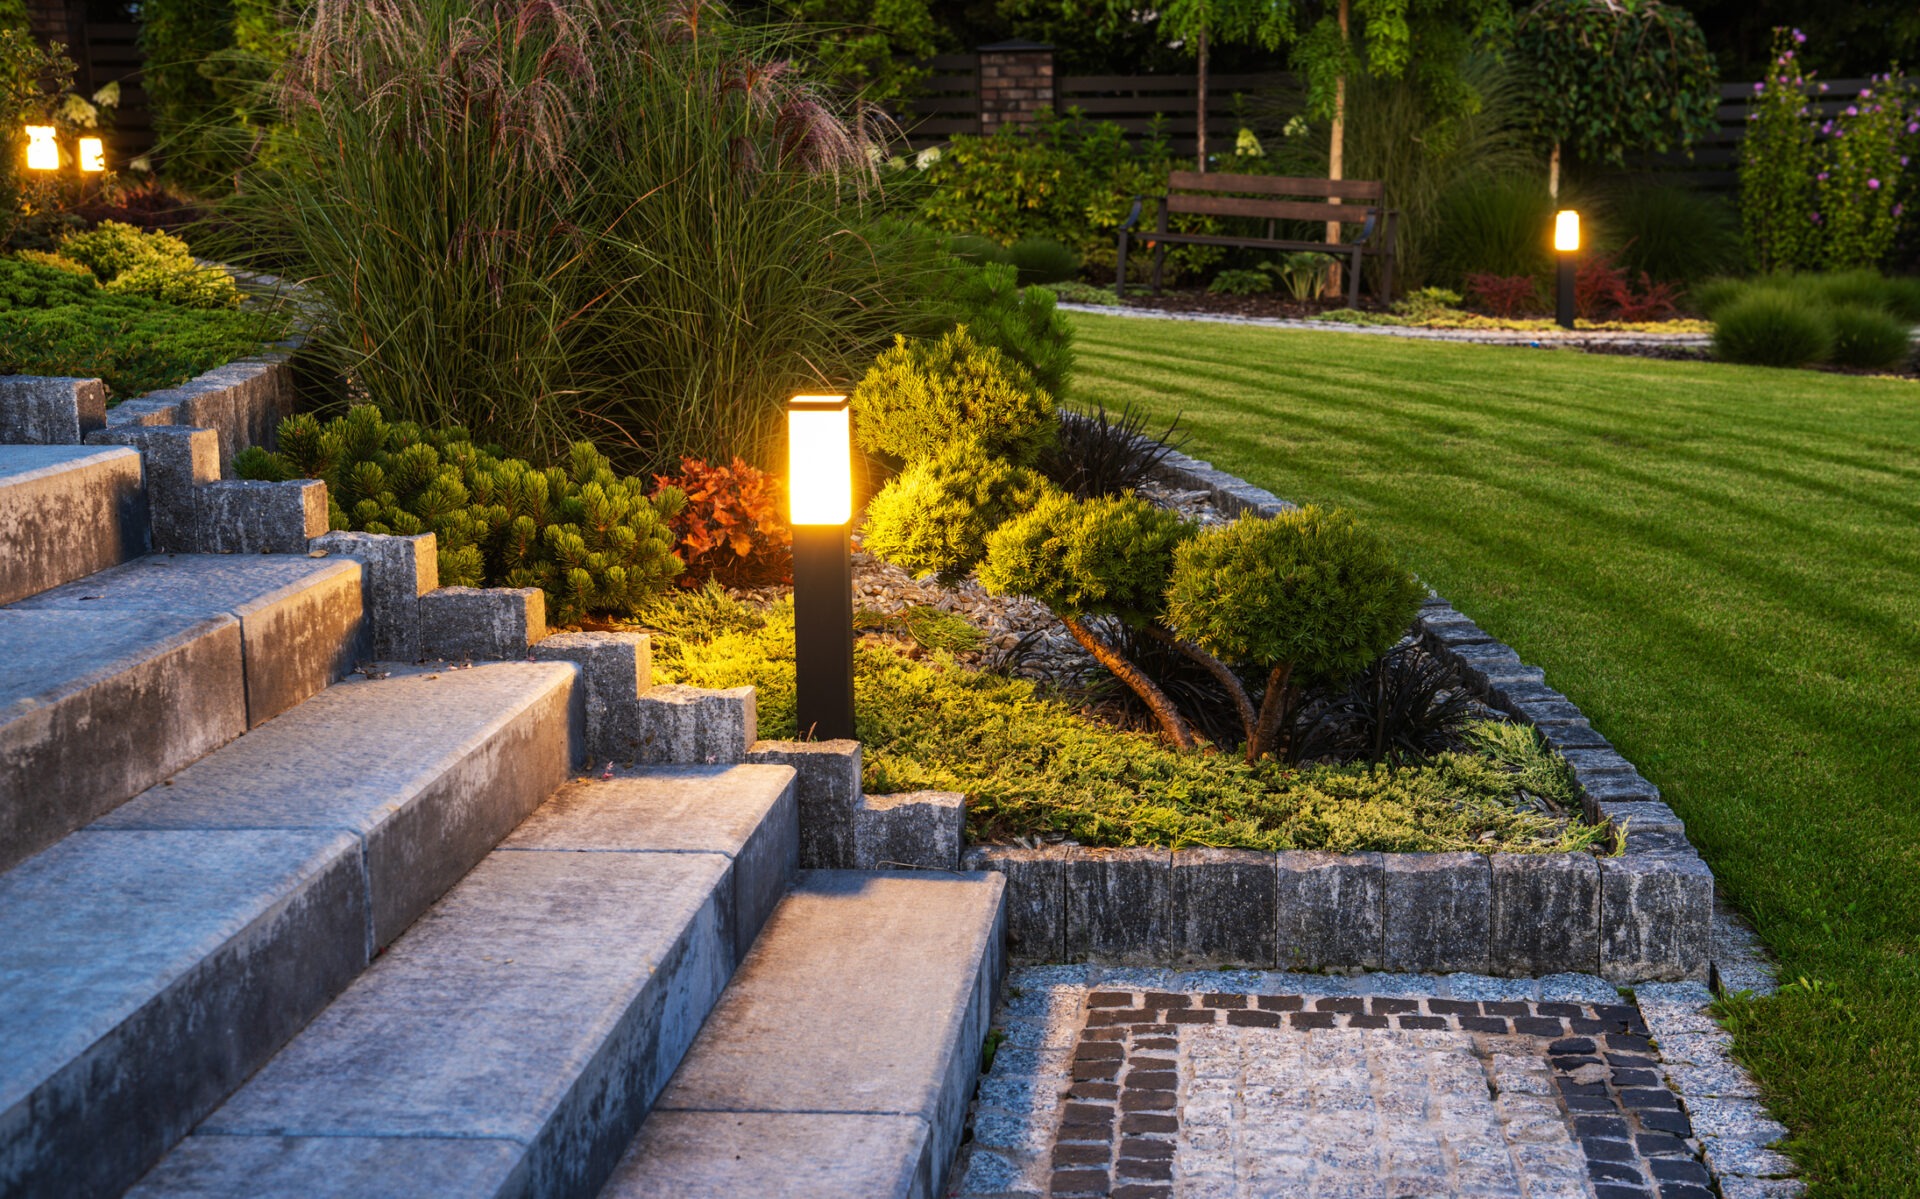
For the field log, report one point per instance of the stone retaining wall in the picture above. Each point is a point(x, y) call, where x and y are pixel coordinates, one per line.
point(1644, 914)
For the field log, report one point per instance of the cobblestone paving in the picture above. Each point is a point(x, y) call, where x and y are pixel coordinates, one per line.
point(1156, 1084)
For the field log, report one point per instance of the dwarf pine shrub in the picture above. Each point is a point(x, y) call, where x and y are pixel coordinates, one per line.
point(1021, 322)
point(934, 518)
point(1100, 557)
point(139, 262)
point(920, 396)
point(592, 540)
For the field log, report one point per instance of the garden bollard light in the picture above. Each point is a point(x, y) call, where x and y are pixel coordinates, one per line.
point(1566, 244)
point(43, 153)
point(93, 155)
point(820, 494)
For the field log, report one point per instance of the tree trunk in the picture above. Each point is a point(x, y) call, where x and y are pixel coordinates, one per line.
point(1337, 150)
point(1222, 674)
point(1553, 173)
point(1274, 707)
point(1172, 726)
point(1200, 129)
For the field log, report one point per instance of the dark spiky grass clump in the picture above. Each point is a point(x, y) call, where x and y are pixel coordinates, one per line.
point(547, 219)
point(1101, 453)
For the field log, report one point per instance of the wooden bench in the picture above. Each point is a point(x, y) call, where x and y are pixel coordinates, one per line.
point(1264, 197)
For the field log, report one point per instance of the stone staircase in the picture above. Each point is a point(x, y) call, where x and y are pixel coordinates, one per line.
point(286, 919)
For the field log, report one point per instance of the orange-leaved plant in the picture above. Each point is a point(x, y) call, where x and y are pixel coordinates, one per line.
point(732, 528)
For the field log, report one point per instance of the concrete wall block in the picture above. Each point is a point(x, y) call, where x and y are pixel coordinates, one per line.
point(481, 623)
point(1656, 917)
point(178, 460)
point(614, 669)
point(1546, 914)
point(1036, 898)
point(67, 512)
point(694, 725)
point(398, 571)
point(1119, 905)
point(1447, 628)
point(246, 516)
point(827, 785)
point(1331, 910)
point(923, 829)
point(1518, 698)
point(37, 410)
point(1576, 734)
point(1224, 907)
point(1438, 912)
point(1637, 816)
point(1604, 789)
point(242, 402)
point(1593, 763)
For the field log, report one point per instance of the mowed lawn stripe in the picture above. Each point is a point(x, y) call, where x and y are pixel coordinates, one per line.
point(1721, 565)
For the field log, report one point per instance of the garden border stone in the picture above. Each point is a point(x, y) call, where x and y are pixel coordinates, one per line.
point(1644, 915)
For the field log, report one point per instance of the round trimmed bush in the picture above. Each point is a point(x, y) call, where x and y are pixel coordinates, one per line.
point(975, 250)
point(1103, 557)
point(1043, 260)
point(1772, 327)
point(934, 518)
point(1868, 337)
point(1715, 294)
point(921, 396)
point(1308, 587)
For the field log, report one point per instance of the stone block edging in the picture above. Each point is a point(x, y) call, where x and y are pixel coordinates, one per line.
point(1644, 914)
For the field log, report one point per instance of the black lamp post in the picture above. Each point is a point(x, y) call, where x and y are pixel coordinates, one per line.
point(820, 492)
point(1566, 245)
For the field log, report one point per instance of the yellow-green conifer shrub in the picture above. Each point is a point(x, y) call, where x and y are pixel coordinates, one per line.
point(593, 541)
point(919, 396)
point(934, 518)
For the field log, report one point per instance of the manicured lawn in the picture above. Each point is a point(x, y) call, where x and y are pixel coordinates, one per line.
point(1721, 565)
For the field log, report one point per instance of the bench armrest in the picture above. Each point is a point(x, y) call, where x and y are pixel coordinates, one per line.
point(1133, 215)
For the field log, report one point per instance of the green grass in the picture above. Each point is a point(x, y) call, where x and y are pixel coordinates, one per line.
point(1720, 564)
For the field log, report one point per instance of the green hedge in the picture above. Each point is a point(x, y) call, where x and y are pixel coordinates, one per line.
point(133, 343)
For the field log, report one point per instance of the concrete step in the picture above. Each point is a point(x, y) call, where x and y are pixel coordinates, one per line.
point(67, 511)
point(154, 959)
point(121, 679)
point(512, 1040)
point(841, 1058)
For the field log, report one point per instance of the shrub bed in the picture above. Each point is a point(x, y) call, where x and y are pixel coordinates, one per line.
point(1033, 767)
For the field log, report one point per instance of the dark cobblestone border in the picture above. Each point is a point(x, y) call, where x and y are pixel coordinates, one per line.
point(1643, 915)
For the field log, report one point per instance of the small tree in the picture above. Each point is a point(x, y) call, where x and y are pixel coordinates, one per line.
point(1607, 77)
point(1308, 594)
point(1104, 557)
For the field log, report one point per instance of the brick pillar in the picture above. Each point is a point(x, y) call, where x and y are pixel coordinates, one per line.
point(1016, 81)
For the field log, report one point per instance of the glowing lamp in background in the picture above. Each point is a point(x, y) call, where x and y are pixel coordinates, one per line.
point(820, 498)
point(43, 153)
point(819, 460)
point(93, 155)
point(1566, 244)
point(1566, 230)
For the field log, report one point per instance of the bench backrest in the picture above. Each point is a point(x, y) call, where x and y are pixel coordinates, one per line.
point(1215, 194)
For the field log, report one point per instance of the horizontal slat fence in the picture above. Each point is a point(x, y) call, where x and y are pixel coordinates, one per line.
point(1715, 162)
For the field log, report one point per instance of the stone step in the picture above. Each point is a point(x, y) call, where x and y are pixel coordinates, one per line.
point(121, 679)
point(512, 1040)
point(154, 959)
point(67, 511)
point(840, 1061)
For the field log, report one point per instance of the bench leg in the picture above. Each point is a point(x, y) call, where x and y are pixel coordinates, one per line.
point(1159, 261)
point(1120, 279)
point(1353, 281)
point(1386, 277)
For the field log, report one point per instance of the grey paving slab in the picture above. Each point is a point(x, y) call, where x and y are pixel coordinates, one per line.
point(300, 618)
point(747, 813)
point(144, 974)
point(867, 993)
point(731, 1155)
point(431, 769)
point(95, 707)
point(66, 511)
point(543, 1001)
point(285, 1167)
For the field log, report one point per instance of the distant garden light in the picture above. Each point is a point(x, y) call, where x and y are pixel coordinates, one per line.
point(43, 153)
point(93, 155)
point(820, 494)
point(1566, 244)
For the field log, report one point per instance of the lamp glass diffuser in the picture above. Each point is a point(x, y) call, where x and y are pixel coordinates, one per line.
point(93, 155)
point(819, 461)
point(43, 153)
point(1566, 231)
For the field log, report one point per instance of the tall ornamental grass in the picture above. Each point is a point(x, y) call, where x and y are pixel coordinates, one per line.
point(547, 219)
